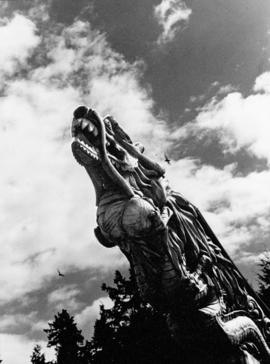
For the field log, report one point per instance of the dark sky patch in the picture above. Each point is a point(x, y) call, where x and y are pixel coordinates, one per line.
point(88, 282)
point(225, 41)
point(129, 25)
point(221, 43)
point(66, 11)
point(207, 148)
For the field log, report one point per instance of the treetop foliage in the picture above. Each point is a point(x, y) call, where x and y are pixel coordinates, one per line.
point(264, 278)
point(130, 332)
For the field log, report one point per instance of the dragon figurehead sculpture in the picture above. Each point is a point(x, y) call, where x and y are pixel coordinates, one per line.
point(179, 265)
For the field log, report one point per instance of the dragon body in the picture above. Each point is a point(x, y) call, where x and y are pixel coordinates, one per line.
point(179, 265)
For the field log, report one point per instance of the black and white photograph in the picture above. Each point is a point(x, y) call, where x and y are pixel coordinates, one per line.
point(135, 182)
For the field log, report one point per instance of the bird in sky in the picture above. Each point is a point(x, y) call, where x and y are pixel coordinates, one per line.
point(167, 160)
point(60, 274)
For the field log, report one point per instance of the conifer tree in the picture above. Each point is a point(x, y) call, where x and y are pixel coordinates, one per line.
point(131, 331)
point(37, 357)
point(67, 339)
point(264, 278)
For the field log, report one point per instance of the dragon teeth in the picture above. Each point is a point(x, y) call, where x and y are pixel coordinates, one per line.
point(91, 127)
point(84, 124)
point(89, 150)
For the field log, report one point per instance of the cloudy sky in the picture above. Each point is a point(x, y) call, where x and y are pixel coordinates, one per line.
point(191, 79)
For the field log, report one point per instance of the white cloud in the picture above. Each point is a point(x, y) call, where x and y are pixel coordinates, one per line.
point(48, 198)
point(38, 326)
point(16, 349)
point(171, 15)
point(11, 322)
point(64, 293)
point(237, 121)
point(110, 84)
point(17, 41)
point(251, 258)
point(236, 207)
point(87, 317)
point(226, 89)
point(64, 298)
point(262, 83)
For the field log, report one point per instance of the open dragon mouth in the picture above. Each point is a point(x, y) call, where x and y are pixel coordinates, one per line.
point(109, 155)
point(85, 142)
point(88, 144)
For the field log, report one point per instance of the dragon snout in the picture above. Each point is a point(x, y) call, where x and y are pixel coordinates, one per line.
point(85, 121)
point(80, 112)
point(83, 112)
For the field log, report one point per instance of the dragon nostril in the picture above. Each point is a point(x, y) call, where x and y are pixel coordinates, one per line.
point(80, 112)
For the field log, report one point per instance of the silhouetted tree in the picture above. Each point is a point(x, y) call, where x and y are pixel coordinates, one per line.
point(264, 278)
point(67, 339)
point(37, 357)
point(131, 331)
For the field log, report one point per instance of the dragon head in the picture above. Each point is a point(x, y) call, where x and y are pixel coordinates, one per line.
point(109, 156)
